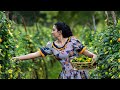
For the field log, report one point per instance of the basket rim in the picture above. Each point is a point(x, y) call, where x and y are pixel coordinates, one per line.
point(81, 62)
point(78, 62)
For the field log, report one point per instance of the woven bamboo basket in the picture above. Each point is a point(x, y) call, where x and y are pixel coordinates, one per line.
point(83, 65)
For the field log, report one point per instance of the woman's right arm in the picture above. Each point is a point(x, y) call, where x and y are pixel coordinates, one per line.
point(42, 52)
point(28, 56)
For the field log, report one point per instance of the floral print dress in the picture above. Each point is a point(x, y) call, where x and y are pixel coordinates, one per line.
point(71, 49)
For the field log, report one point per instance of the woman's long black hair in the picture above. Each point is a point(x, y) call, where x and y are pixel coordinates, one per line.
point(66, 31)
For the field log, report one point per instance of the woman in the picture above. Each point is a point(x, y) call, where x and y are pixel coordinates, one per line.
point(64, 48)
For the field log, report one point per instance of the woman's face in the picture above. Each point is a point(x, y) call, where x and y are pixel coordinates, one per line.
point(55, 32)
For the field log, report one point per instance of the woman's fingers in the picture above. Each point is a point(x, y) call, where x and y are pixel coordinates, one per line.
point(15, 59)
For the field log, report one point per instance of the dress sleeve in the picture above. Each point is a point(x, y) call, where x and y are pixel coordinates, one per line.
point(47, 50)
point(77, 45)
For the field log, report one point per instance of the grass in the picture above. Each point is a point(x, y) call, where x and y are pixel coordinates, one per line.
point(53, 72)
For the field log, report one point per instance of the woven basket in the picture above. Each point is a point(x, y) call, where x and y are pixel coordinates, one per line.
point(83, 65)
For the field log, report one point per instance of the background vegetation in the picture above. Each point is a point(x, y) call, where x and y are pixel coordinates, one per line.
point(23, 32)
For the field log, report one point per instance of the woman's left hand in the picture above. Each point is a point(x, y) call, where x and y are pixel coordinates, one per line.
point(94, 58)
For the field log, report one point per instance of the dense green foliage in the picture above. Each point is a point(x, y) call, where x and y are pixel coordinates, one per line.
point(23, 32)
point(108, 49)
point(7, 47)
